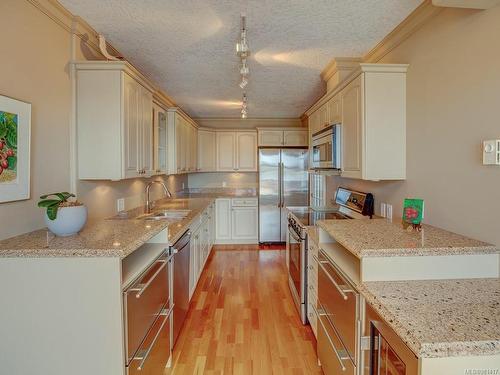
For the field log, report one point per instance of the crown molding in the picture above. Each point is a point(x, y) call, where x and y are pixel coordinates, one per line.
point(422, 14)
point(340, 64)
point(469, 4)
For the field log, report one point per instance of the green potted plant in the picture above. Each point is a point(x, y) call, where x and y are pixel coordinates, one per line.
point(63, 217)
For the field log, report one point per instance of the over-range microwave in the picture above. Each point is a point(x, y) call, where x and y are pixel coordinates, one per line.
point(326, 148)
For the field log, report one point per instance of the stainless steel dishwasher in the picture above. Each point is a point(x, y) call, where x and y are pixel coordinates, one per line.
point(181, 251)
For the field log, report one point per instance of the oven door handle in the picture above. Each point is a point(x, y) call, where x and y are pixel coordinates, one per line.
point(332, 280)
point(320, 313)
point(294, 234)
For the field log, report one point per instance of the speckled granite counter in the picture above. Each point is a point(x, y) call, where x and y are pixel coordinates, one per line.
point(441, 318)
point(115, 237)
point(379, 238)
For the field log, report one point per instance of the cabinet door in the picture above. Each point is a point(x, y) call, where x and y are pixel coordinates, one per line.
point(187, 145)
point(180, 158)
point(270, 137)
point(132, 127)
point(246, 147)
point(226, 151)
point(244, 223)
point(194, 150)
point(160, 140)
point(334, 110)
point(295, 138)
point(351, 129)
point(314, 122)
point(223, 219)
point(206, 150)
point(323, 116)
point(146, 131)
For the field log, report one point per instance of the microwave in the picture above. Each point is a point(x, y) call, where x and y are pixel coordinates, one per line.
point(326, 148)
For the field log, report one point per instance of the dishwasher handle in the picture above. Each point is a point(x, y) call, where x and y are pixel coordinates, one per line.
point(181, 243)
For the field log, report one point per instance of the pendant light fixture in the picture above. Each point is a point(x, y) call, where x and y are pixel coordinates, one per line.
point(243, 51)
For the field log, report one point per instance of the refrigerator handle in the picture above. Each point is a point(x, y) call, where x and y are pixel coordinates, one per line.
point(279, 185)
point(282, 190)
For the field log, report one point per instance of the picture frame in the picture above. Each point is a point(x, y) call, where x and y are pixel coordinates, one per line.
point(15, 144)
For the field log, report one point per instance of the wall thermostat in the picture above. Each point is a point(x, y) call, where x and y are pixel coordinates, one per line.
point(491, 152)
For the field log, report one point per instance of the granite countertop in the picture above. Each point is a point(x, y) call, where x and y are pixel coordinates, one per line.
point(114, 237)
point(441, 318)
point(379, 238)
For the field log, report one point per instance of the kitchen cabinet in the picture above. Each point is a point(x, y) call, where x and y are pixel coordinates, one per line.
point(206, 151)
point(334, 110)
point(323, 116)
point(114, 121)
point(183, 149)
point(282, 137)
point(236, 151)
point(373, 111)
point(160, 140)
point(236, 220)
point(244, 223)
point(312, 285)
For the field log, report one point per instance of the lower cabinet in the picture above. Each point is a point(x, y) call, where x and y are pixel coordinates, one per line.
point(312, 285)
point(236, 221)
point(202, 239)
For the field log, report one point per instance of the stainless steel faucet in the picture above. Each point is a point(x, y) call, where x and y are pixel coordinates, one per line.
point(149, 204)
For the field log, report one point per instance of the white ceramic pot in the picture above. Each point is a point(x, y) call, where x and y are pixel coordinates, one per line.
point(69, 220)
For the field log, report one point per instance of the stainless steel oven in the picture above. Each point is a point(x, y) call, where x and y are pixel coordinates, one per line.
point(147, 312)
point(296, 254)
point(338, 315)
point(326, 148)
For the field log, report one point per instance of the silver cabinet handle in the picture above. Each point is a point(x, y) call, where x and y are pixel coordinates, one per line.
point(320, 313)
point(337, 286)
point(148, 283)
point(144, 357)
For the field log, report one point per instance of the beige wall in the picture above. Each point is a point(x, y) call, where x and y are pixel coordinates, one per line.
point(453, 103)
point(216, 179)
point(34, 68)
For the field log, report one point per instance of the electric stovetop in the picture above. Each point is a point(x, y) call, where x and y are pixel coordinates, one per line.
point(308, 217)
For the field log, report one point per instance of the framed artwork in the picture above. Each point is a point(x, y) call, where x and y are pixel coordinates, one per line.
point(15, 129)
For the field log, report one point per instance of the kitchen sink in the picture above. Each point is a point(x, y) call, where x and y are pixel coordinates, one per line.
point(167, 214)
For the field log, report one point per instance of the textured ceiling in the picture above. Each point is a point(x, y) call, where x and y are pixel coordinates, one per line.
point(188, 47)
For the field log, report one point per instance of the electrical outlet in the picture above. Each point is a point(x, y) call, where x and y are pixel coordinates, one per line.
point(183, 186)
point(120, 204)
point(224, 183)
point(388, 212)
point(383, 209)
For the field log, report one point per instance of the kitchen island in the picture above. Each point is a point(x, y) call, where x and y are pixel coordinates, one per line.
point(436, 292)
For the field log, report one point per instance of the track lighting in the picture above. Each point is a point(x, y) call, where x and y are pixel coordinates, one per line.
point(242, 48)
point(244, 71)
point(243, 82)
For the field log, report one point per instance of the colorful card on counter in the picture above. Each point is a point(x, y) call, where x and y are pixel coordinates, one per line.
point(413, 211)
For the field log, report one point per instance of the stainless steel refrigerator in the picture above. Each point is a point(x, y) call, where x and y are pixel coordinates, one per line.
point(283, 182)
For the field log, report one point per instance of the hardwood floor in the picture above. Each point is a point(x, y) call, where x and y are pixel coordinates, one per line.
point(242, 319)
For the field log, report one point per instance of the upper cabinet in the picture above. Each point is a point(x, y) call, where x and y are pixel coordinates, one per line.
point(206, 150)
point(276, 137)
point(236, 151)
point(160, 136)
point(371, 107)
point(114, 121)
point(183, 149)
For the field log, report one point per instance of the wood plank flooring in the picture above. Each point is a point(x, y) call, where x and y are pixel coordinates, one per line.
point(242, 319)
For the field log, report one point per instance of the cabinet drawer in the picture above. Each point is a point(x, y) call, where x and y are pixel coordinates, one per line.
point(312, 295)
point(313, 318)
point(244, 202)
point(312, 248)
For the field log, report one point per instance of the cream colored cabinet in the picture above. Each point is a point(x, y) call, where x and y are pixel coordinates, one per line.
point(323, 115)
point(226, 151)
point(114, 121)
point(246, 151)
point(206, 151)
point(334, 110)
point(236, 151)
point(222, 220)
point(290, 137)
point(270, 137)
point(297, 138)
point(183, 140)
point(236, 221)
point(244, 223)
point(351, 129)
point(314, 122)
point(373, 110)
point(312, 285)
point(160, 140)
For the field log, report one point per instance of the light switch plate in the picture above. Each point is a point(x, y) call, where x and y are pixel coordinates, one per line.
point(388, 212)
point(491, 152)
point(120, 204)
point(383, 209)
